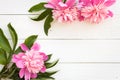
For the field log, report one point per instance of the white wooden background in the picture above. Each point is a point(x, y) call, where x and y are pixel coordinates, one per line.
point(86, 51)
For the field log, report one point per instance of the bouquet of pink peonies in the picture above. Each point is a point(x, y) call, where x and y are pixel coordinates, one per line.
point(93, 11)
point(26, 62)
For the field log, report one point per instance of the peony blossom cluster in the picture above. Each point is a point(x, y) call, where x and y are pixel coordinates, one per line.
point(30, 62)
point(93, 11)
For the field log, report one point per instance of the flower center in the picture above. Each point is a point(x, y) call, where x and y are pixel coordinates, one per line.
point(33, 61)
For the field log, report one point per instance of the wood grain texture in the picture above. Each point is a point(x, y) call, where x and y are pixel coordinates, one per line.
point(108, 29)
point(86, 51)
point(88, 72)
point(82, 50)
point(17, 6)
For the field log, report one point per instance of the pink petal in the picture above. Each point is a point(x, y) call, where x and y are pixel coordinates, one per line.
point(33, 75)
point(27, 75)
point(14, 59)
point(20, 64)
point(17, 57)
point(85, 2)
point(43, 69)
point(109, 2)
point(70, 3)
point(79, 5)
point(54, 3)
point(22, 73)
point(35, 47)
point(45, 57)
point(81, 18)
point(97, 2)
point(62, 4)
point(24, 47)
point(110, 14)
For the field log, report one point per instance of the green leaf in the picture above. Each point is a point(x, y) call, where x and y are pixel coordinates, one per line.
point(47, 23)
point(4, 44)
point(42, 15)
point(49, 57)
point(18, 50)
point(37, 7)
point(30, 40)
point(64, 1)
point(48, 74)
point(13, 35)
point(3, 57)
point(44, 78)
point(47, 78)
point(51, 64)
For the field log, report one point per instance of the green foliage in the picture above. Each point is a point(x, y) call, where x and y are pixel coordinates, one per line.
point(51, 64)
point(42, 16)
point(47, 78)
point(37, 7)
point(6, 51)
point(47, 23)
point(10, 70)
point(13, 35)
point(49, 57)
point(30, 40)
point(46, 14)
point(4, 44)
point(3, 57)
point(64, 1)
point(48, 75)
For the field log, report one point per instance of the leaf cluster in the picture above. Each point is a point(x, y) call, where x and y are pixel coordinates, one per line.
point(6, 51)
point(46, 14)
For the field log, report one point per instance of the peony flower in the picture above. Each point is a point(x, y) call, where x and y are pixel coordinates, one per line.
point(63, 11)
point(94, 11)
point(67, 15)
point(30, 62)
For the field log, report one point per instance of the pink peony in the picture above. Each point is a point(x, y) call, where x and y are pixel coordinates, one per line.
point(94, 11)
point(67, 15)
point(63, 11)
point(30, 61)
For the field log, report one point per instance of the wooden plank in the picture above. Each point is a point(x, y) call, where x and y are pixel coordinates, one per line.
point(82, 50)
point(22, 6)
point(17, 6)
point(92, 51)
point(109, 29)
point(87, 71)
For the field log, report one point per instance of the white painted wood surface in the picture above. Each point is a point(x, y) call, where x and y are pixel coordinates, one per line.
point(86, 51)
point(88, 72)
point(109, 29)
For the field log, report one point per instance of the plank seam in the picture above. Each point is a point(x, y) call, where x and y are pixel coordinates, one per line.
point(89, 62)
